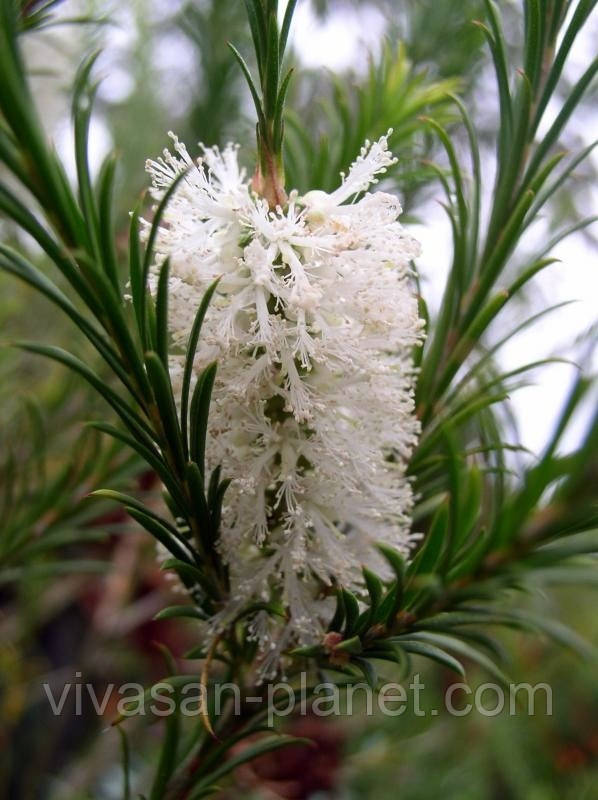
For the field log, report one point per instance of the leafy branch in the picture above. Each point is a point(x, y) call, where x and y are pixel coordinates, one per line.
point(270, 44)
point(79, 239)
point(484, 533)
point(390, 96)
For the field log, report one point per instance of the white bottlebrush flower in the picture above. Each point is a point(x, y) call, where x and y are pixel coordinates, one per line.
point(312, 412)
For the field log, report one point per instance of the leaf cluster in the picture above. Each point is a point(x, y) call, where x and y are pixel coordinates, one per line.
point(324, 136)
point(45, 510)
point(76, 233)
point(270, 44)
point(487, 532)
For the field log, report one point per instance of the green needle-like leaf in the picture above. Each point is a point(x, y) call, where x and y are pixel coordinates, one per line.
point(200, 406)
point(190, 356)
